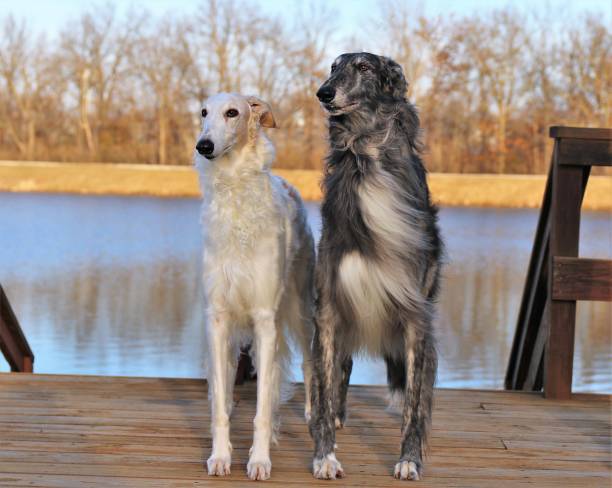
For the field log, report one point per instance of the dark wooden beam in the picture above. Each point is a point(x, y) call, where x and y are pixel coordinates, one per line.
point(582, 279)
point(13, 343)
point(568, 187)
point(535, 373)
point(534, 296)
point(583, 152)
point(580, 132)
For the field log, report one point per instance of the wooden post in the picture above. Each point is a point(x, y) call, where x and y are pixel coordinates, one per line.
point(567, 190)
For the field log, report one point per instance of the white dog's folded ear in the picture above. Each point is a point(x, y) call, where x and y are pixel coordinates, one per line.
point(263, 111)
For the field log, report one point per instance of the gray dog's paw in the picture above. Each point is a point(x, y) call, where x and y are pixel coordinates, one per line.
point(407, 470)
point(327, 468)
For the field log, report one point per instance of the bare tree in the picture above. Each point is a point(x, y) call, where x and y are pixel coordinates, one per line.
point(224, 32)
point(127, 86)
point(24, 82)
point(496, 46)
point(308, 60)
point(587, 72)
point(406, 37)
point(163, 64)
point(95, 51)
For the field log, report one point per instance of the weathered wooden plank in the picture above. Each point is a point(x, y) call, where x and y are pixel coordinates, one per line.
point(67, 481)
point(359, 416)
point(471, 426)
point(452, 440)
point(582, 279)
point(290, 458)
point(583, 152)
point(542, 449)
point(580, 132)
point(77, 432)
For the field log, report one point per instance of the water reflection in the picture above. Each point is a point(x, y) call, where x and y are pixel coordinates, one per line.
point(109, 285)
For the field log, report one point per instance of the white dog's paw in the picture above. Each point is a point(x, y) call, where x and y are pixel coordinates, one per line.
point(327, 468)
point(219, 465)
point(259, 469)
point(406, 470)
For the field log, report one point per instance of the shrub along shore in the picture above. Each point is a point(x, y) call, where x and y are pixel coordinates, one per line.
point(469, 190)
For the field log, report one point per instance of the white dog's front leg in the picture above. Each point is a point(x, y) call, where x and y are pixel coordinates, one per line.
point(268, 377)
point(219, 463)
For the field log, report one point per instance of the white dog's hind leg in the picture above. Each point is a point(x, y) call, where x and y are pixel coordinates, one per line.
point(307, 372)
point(301, 320)
point(219, 463)
point(268, 377)
point(305, 340)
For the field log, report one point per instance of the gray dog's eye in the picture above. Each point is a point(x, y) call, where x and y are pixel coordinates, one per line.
point(333, 68)
point(363, 67)
point(232, 112)
point(204, 113)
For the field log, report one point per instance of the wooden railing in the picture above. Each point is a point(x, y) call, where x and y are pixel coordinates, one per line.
point(543, 349)
point(13, 343)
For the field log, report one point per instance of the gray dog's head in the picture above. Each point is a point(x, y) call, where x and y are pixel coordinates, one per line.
point(361, 80)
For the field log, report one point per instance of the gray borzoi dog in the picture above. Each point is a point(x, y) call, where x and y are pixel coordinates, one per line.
point(258, 269)
point(379, 256)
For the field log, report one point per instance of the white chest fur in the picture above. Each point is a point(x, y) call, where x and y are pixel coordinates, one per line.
point(243, 228)
point(372, 284)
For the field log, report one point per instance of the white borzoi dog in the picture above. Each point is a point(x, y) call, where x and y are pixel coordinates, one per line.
point(258, 269)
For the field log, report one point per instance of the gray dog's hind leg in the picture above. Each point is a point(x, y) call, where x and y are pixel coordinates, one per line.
point(421, 364)
point(346, 366)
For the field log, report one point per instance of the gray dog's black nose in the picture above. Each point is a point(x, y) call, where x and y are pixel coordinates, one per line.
point(326, 94)
point(205, 146)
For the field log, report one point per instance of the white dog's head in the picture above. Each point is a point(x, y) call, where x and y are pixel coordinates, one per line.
point(230, 122)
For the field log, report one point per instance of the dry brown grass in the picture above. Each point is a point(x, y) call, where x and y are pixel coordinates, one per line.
point(178, 181)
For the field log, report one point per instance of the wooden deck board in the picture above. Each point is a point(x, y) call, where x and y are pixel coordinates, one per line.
point(73, 431)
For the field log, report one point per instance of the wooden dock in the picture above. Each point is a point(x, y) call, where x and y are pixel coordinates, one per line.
point(74, 431)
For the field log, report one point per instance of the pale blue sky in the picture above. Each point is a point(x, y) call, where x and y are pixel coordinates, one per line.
point(50, 15)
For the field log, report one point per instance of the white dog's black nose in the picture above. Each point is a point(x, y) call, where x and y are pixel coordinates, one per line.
point(326, 93)
point(205, 147)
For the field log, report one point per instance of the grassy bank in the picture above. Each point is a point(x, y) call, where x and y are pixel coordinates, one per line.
point(517, 191)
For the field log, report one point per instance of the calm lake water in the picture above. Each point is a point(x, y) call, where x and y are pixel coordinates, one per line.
point(110, 285)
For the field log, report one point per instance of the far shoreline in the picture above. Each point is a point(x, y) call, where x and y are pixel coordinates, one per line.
point(447, 189)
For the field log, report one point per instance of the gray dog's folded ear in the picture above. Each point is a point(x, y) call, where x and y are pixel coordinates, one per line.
point(263, 111)
point(393, 78)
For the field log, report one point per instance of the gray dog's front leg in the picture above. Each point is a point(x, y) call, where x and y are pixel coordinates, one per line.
point(322, 425)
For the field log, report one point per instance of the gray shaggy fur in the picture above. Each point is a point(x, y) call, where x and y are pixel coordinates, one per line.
point(379, 256)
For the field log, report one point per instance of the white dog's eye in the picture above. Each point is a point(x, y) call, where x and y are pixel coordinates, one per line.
point(204, 112)
point(232, 112)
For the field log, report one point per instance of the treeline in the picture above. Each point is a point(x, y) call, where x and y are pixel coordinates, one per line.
point(128, 87)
